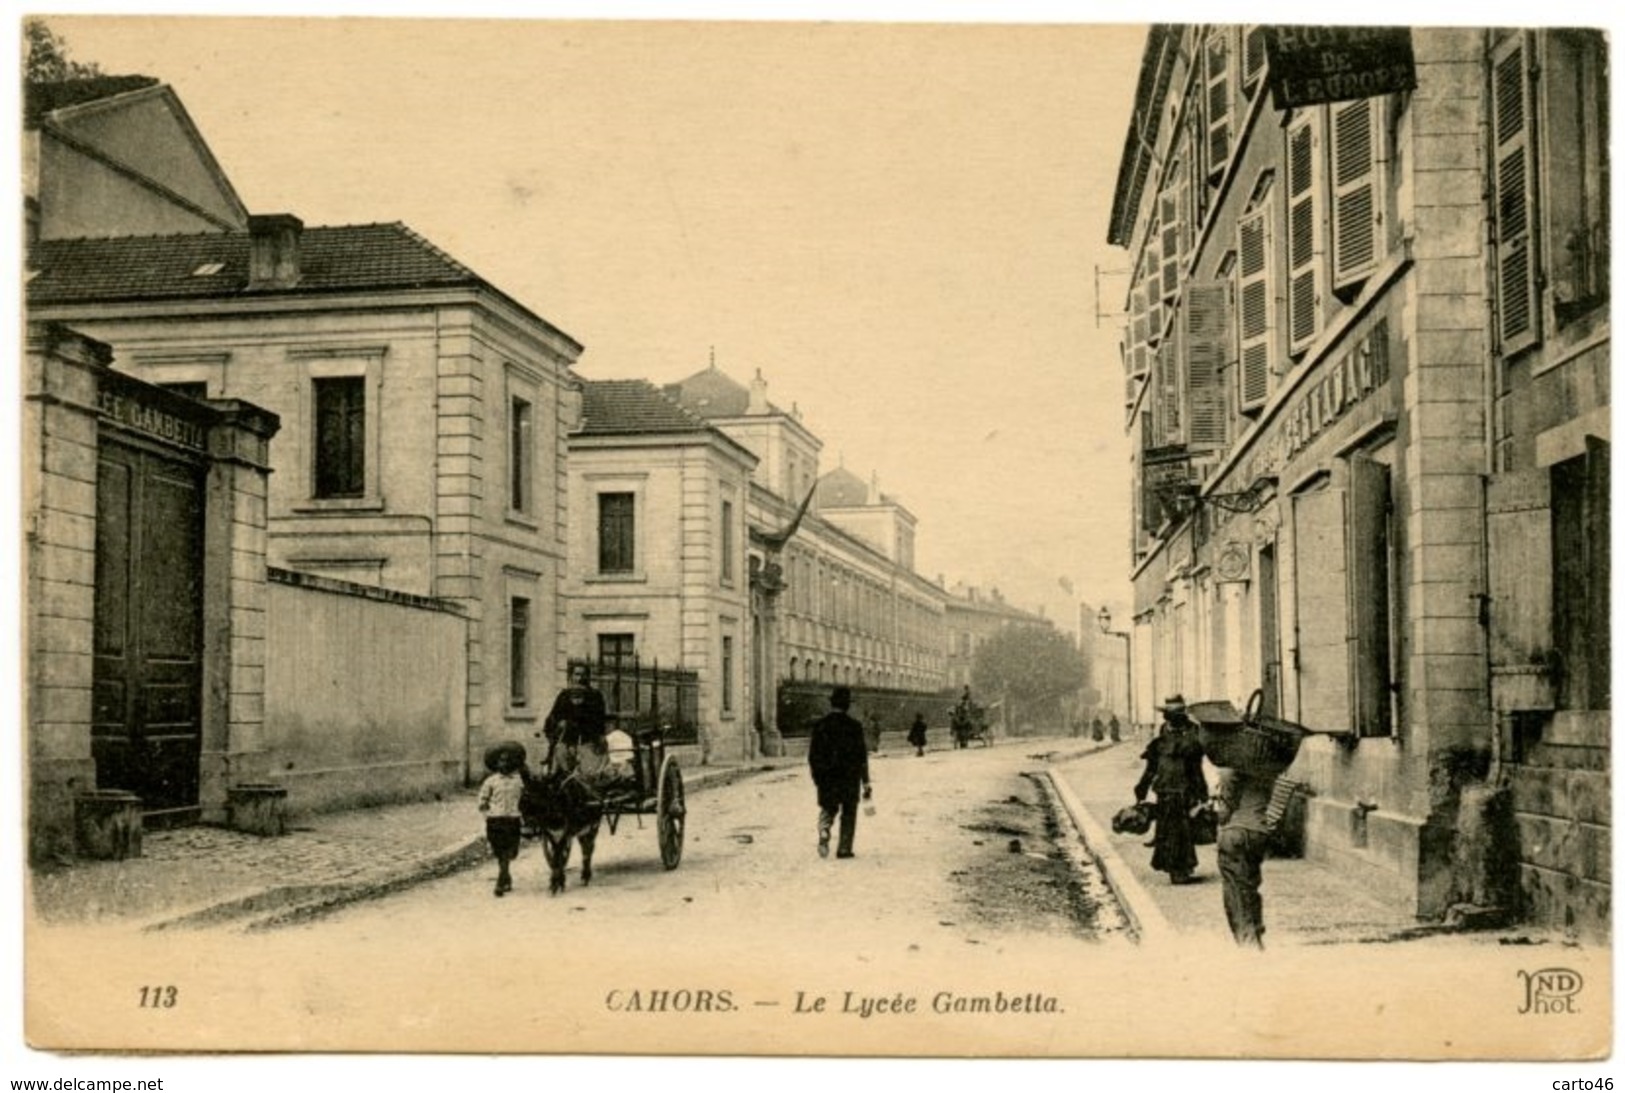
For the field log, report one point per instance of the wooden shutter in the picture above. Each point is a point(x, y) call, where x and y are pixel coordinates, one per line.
point(1206, 338)
point(1252, 68)
point(1518, 517)
point(1138, 332)
point(1355, 190)
point(1172, 242)
point(1217, 78)
point(1256, 304)
point(1516, 269)
point(1152, 261)
point(1369, 598)
point(1321, 567)
point(1150, 506)
point(1170, 419)
point(1303, 233)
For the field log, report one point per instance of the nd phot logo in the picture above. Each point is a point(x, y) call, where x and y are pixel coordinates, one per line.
point(1551, 990)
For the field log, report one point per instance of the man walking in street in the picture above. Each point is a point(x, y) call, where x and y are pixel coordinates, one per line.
point(1242, 804)
point(839, 758)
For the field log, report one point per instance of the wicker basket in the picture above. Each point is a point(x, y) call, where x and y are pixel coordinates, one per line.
point(1264, 746)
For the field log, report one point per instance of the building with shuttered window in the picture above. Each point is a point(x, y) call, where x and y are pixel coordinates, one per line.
point(1349, 324)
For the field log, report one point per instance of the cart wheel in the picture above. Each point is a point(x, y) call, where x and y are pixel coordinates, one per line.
point(670, 813)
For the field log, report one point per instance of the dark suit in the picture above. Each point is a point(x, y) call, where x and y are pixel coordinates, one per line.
point(839, 758)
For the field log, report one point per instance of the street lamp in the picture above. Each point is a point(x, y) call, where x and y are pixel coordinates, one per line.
point(1104, 618)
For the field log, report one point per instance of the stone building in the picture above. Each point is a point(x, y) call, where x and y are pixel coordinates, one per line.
point(835, 598)
point(658, 569)
point(1343, 364)
point(424, 415)
point(1547, 516)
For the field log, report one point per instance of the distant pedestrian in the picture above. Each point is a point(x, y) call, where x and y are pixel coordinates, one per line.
point(499, 801)
point(1114, 729)
point(871, 732)
point(916, 734)
point(1173, 771)
point(839, 759)
point(1097, 731)
point(1242, 804)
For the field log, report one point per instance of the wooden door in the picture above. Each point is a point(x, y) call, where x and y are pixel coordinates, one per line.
point(146, 731)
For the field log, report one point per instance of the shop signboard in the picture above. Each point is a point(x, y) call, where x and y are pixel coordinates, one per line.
point(1309, 65)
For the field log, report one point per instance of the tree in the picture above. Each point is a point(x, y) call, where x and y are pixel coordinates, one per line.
point(1031, 667)
point(48, 59)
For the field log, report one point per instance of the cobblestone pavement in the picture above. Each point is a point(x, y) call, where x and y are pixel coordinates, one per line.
point(186, 870)
point(192, 867)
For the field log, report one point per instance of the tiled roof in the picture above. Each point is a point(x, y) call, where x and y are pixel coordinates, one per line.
point(711, 392)
point(40, 99)
point(622, 407)
point(365, 256)
point(840, 488)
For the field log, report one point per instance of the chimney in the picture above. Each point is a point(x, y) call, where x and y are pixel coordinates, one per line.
point(758, 395)
point(273, 251)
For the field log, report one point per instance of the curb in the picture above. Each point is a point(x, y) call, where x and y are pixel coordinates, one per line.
point(449, 860)
point(286, 905)
point(1142, 911)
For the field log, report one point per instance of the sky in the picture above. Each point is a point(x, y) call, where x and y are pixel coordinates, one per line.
point(899, 226)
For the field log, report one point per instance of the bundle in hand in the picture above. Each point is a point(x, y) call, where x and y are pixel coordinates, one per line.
point(1133, 820)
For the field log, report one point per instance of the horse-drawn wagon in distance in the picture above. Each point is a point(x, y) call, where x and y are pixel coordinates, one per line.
point(969, 722)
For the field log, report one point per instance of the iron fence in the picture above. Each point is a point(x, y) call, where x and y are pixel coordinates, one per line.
point(802, 702)
point(642, 696)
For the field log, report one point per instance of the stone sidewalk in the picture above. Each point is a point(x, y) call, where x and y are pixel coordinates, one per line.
point(1304, 903)
point(205, 876)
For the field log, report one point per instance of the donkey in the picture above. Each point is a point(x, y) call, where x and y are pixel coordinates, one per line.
point(562, 809)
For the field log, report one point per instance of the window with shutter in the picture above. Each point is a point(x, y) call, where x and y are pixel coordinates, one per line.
point(1153, 290)
point(1255, 301)
point(1217, 83)
point(1574, 156)
point(1356, 190)
point(1150, 506)
point(1171, 246)
point(1518, 521)
point(1252, 67)
point(1304, 246)
point(1206, 339)
point(1139, 335)
point(1580, 578)
point(1168, 379)
point(1371, 595)
point(1322, 656)
point(1516, 270)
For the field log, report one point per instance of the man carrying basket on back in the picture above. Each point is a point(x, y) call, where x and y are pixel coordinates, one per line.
point(1252, 754)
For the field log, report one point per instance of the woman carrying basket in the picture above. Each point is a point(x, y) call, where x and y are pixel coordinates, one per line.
point(1173, 771)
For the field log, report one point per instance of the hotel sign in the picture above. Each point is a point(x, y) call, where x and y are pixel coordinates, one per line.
point(1310, 65)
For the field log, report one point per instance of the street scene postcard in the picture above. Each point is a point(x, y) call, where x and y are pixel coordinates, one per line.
point(1024, 540)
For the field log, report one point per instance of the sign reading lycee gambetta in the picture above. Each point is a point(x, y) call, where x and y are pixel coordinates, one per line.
point(1309, 65)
